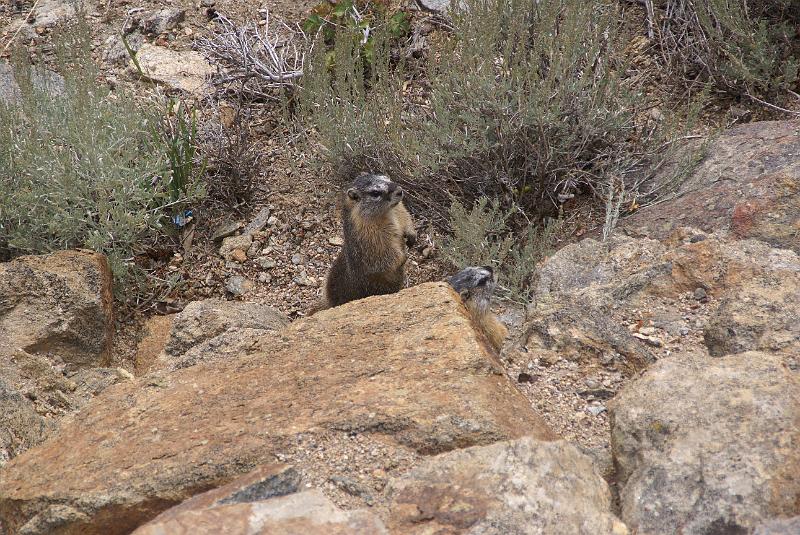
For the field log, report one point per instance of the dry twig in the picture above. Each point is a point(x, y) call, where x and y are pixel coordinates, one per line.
point(256, 59)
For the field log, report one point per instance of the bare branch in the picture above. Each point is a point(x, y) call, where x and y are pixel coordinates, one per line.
point(258, 58)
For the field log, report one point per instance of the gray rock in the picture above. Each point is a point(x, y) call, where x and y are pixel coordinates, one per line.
point(440, 6)
point(201, 321)
point(48, 13)
point(760, 313)
point(9, 90)
point(266, 263)
point(518, 487)
point(746, 186)
point(700, 294)
point(238, 285)
point(707, 445)
point(162, 21)
point(186, 71)
point(594, 263)
point(224, 230)
point(116, 53)
point(41, 79)
point(259, 221)
point(779, 526)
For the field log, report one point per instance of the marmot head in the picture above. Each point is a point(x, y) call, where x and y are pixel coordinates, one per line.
point(475, 285)
point(374, 195)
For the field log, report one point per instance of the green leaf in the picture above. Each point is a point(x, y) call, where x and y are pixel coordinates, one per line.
point(312, 24)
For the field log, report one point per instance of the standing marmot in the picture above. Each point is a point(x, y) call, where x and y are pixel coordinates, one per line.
point(377, 229)
point(475, 285)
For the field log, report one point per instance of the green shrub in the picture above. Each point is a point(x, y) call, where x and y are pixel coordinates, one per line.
point(81, 166)
point(523, 102)
point(481, 237)
point(740, 46)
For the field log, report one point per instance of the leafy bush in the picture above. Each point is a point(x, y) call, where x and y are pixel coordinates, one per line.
point(83, 167)
point(481, 237)
point(741, 46)
point(523, 102)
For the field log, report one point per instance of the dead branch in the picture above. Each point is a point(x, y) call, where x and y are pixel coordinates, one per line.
point(256, 58)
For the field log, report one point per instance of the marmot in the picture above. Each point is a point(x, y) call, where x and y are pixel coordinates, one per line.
point(377, 229)
point(476, 285)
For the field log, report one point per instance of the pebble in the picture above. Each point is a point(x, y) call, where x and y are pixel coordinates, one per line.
point(596, 410)
point(266, 262)
point(304, 280)
point(700, 294)
point(684, 331)
point(264, 277)
point(336, 240)
point(239, 256)
point(238, 285)
point(592, 384)
point(272, 221)
point(296, 259)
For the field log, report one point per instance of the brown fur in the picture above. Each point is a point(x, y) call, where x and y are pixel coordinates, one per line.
point(494, 329)
point(373, 257)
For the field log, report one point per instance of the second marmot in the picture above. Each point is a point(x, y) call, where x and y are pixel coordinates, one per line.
point(377, 229)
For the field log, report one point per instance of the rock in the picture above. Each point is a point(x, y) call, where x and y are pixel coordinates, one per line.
point(238, 285)
point(162, 21)
point(184, 71)
point(343, 371)
point(761, 313)
point(259, 221)
point(439, 6)
point(266, 263)
point(707, 445)
point(235, 342)
point(224, 230)
point(781, 526)
point(304, 280)
point(590, 262)
point(233, 243)
point(20, 426)
point(577, 330)
point(523, 487)
point(59, 305)
point(297, 259)
point(202, 321)
point(700, 294)
point(41, 79)
point(49, 13)
point(336, 240)
point(116, 53)
point(156, 334)
point(239, 256)
point(261, 484)
point(9, 90)
point(306, 513)
point(747, 185)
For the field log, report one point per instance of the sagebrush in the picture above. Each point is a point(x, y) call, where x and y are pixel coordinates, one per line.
point(81, 166)
point(742, 47)
point(523, 102)
point(481, 236)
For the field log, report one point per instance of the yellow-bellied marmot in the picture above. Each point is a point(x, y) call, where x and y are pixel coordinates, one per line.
point(476, 285)
point(377, 228)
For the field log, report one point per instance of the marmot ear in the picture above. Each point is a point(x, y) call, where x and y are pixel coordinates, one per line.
point(464, 294)
point(353, 194)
